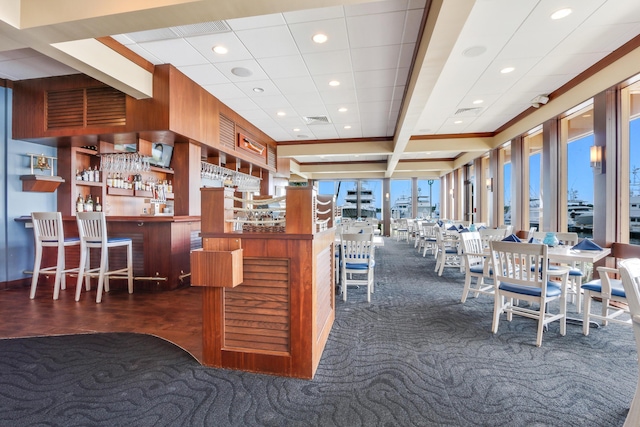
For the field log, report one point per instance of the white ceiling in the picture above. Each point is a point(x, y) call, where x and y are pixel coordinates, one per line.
point(371, 48)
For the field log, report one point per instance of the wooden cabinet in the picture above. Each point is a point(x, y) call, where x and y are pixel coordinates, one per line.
point(71, 162)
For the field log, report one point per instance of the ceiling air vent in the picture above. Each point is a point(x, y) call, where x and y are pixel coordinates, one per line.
point(468, 111)
point(211, 27)
point(316, 120)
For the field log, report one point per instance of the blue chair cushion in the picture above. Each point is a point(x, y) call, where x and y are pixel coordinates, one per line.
point(72, 239)
point(596, 286)
point(553, 290)
point(118, 239)
point(358, 266)
point(480, 270)
point(575, 272)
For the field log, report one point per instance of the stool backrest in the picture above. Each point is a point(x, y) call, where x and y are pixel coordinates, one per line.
point(92, 227)
point(47, 228)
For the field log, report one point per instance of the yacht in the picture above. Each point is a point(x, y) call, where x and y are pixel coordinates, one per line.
point(579, 213)
point(367, 205)
point(634, 203)
point(402, 208)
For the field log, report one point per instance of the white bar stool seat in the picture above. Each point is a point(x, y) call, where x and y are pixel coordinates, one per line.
point(92, 228)
point(48, 232)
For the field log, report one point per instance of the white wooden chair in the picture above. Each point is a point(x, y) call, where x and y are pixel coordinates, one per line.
point(630, 273)
point(428, 238)
point(492, 234)
point(521, 273)
point(92, 228)
point(357, 262)
point(476, 265)
point(608, 289)
point(447, 252)
point(48, 232)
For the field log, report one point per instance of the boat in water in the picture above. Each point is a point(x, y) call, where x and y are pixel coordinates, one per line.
point(367, 203)
point(579, 213)
point(403, 207)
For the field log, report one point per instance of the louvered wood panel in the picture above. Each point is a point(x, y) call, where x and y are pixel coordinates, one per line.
point(271, 156)
point(227, 133)
point(65, 109)
point(196, 241)
point(257, 312)
point(324, 288)
point(106, 107)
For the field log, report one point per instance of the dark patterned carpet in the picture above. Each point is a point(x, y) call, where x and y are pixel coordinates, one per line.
point(414, 356)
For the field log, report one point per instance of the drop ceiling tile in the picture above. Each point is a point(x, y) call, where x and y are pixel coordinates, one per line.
point(136, 48)
point(339, 97)
point(375, 30)
point(378, 7)
point(345, 79)
point(122, 39)
point(412, 26)
point(274, 101)
point(34, 67)
point(306, 99)
point(252, 22)
point(375, 79)
point(334, 29)
point(376, 94)
point(205, 74)
point(241, 105)
point(224, 91)
point(375, 58)
point(338, 61)
point(407, 51)
point(379, 109)
point(269, 41)
point(282, 67)
point(319, 14)
point(295, 85)
point(177, 52)
point(205, 44)
point(18, 54)
point(417, 4)
point(325, 132)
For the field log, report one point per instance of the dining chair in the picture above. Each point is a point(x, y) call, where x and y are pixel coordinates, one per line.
point(92, 228)
point(402, 230)
point(428, 238)
point(48, 232)
point(447, 252)
point(521, 273)
point(630, 273)
point(491, 234)
point(608, 289)
point(476, 265)
point(357, 262)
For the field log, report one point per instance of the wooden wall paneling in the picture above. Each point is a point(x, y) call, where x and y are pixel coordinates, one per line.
point(186, 185)
point(66, 201)
point(184, 105)
point(299, 211)
point(210, 119)
point(212, 326)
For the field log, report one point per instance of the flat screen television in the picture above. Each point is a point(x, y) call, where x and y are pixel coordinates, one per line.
point(161, 155)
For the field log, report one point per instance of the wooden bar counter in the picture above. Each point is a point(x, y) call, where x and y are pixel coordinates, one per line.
point(268, 298)
point(161, 248)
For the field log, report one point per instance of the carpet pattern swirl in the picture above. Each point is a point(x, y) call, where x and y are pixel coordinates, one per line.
point(414, 356)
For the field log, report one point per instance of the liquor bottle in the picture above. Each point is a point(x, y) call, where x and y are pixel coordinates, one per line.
point(78, 175)
point(88, 204)
point(80, 204)
point(98, 205)
point(170, 187)
point(96, 174)
point(109, 180)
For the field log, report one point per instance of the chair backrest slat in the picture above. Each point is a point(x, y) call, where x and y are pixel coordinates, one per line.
point(47, 227)
point(520, 263)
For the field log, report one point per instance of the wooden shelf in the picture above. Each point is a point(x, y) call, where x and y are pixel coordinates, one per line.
point(112, 191)
point(161, 170)
point(41, 183)
point(89, 183)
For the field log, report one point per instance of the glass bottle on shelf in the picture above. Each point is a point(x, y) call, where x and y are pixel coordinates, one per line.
point(78, 175)
point(88, 204)
point(98, 205)
point(170, 187)
point(96, 174)
point(109, 180)
point(80, 204)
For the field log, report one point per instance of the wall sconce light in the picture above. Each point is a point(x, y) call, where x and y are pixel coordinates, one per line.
point(386, 196)
point(596, 156)
point(451, 192)
point(489, 182)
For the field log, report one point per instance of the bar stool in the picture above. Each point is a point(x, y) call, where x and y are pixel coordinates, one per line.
point(92, 228)
point(49, 233)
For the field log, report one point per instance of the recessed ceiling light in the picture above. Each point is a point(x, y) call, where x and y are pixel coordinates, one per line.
point(342, 109)
point(241, 71)
point(296, 130)
point(220, 49)
point(507, 70)
point(562, 13)
point(258, 89)
point(281, 113)
point(347, 127)
point(457, 122)
point(478, 101)
point(320, 38)
point(334, 83)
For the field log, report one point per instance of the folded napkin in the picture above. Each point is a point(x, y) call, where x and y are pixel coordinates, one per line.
point(463, 230)
point(511, 238)
point(534, 240)
point(453, 228)
point(440, 223)
point(460, 227)
point(482, 227)
point(587, 245)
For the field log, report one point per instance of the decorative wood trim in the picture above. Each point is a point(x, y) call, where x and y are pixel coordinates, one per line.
point(127, 53)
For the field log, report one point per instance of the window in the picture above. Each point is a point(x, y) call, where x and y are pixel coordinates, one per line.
point(428, 196)
point(534, 143)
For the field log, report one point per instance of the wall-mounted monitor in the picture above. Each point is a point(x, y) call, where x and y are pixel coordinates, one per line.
point(161, 155)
